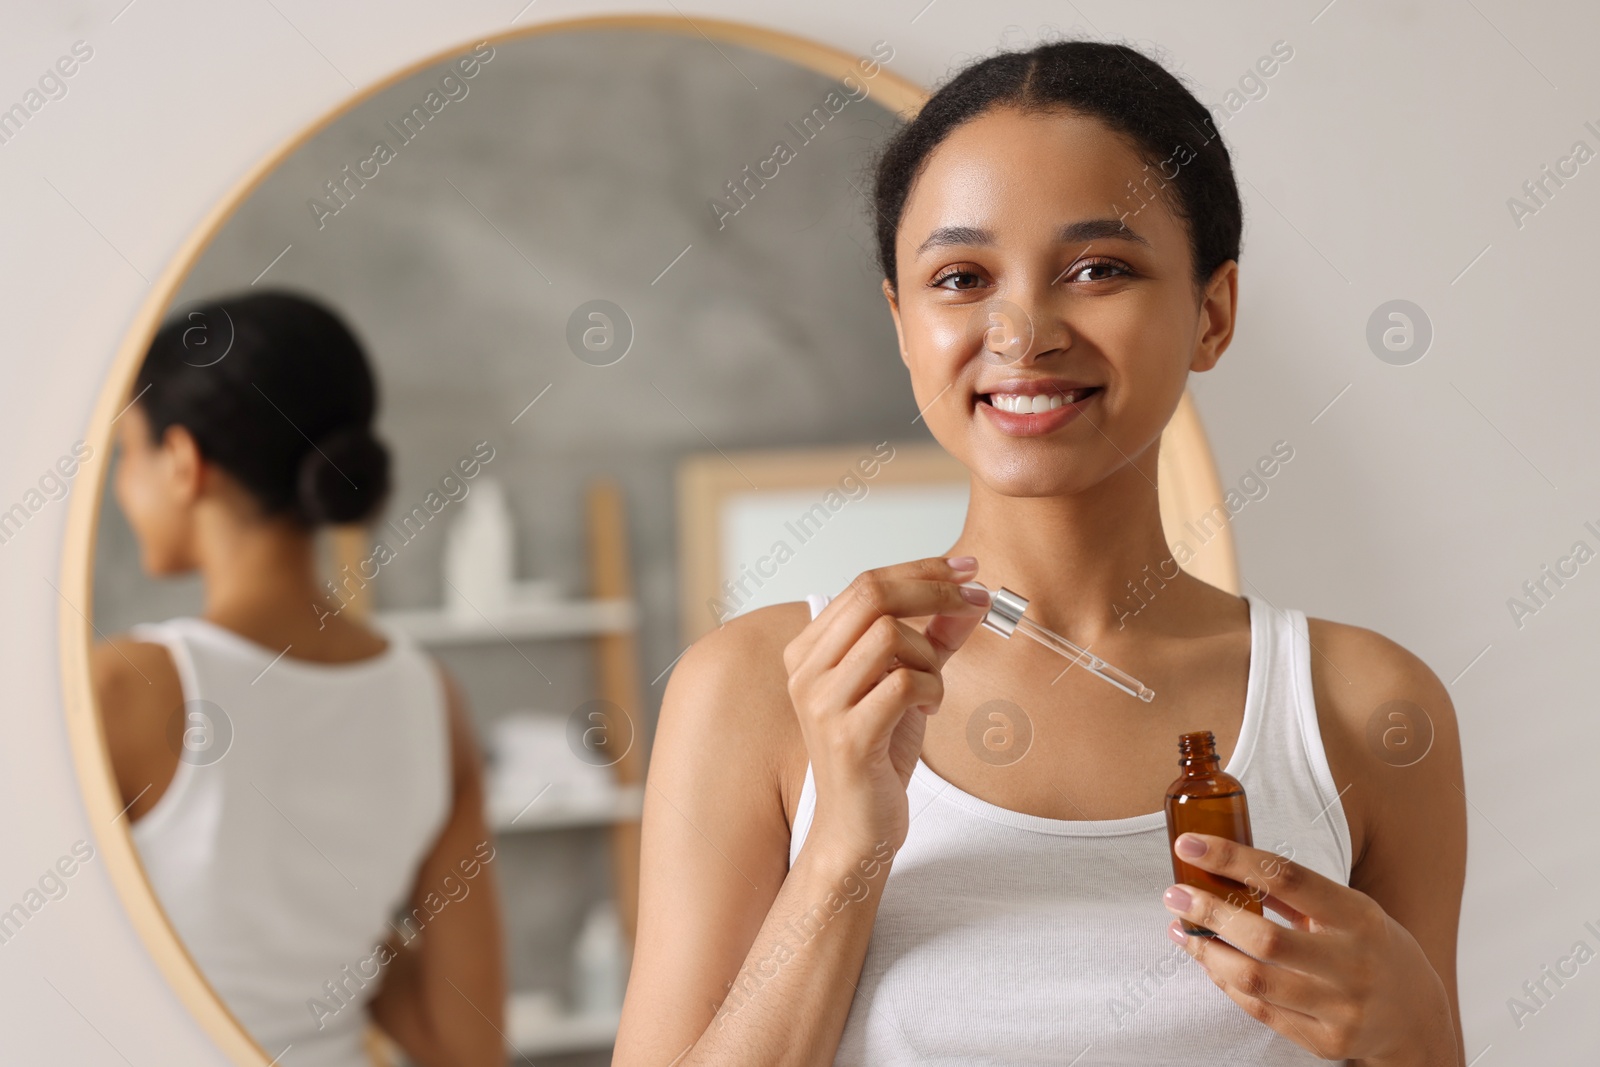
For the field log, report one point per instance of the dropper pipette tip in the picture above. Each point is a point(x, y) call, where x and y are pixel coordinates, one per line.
point(1005, 617)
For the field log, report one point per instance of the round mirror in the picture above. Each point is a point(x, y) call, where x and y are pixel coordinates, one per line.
point(436, 446)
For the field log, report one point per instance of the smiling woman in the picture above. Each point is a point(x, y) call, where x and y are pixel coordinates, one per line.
point(1048, 346)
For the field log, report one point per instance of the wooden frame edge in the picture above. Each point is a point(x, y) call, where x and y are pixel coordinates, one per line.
point(1190, 470)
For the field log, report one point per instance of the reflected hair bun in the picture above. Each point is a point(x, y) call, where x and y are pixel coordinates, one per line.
point(345, 478)
point(255, 378)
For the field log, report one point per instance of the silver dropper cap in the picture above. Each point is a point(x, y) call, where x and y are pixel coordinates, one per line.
point(1005, 611)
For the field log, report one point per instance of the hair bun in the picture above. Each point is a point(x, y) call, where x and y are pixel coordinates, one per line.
point(345, 478)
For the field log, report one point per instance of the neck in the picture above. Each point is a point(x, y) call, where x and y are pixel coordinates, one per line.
point(1074, 556)
point(254, 569)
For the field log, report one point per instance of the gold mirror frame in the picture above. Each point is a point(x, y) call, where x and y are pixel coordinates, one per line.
point(1189, 488)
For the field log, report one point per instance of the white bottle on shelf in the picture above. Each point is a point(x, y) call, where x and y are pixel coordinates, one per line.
point(479, 564)
point(597, 962)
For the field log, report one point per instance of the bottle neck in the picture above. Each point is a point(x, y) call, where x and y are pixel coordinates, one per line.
point(1197, 753)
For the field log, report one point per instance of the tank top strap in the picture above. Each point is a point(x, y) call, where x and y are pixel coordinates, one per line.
point(807, 808)
point(1289, 764)
point(176, 639)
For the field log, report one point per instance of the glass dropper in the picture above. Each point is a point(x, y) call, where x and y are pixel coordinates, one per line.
point(1006, 618)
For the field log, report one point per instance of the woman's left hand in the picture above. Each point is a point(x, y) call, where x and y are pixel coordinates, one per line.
point(1344, 981)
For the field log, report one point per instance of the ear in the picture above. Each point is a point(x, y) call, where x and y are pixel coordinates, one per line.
point(184, 465)
point(894, 313)
point(1218, 307)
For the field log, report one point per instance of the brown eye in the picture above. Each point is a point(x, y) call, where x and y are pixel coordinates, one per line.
point(1113, 268)
point(938, 283)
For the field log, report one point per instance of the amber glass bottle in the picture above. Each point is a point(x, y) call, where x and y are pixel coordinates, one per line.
point(1207, 800)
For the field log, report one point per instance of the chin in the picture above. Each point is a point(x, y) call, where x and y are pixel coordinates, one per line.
point(1038, 475)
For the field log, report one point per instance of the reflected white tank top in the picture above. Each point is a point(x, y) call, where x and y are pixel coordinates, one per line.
point(1006, 938)
point(305, 798)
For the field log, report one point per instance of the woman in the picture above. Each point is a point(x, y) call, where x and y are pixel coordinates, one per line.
point(305, 790)
point(834, 873)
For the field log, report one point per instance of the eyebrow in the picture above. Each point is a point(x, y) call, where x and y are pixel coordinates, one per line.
point(1071, 233)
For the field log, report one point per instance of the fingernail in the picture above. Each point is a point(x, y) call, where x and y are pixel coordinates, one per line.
point(1175, 931)
point(1190, 845)
point(962, 564)
point(974, 593)
point(1177, 898)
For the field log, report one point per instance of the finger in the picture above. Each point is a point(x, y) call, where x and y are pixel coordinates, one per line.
point(887, 643)
point(1265, 940)
point(1236, 978)
point(947, 633)
point(914, 595)
point(886, 703)
point(934, 568)
point(899, 591)
point(1267, 874)
point(1259, 979)
point(1297, 918)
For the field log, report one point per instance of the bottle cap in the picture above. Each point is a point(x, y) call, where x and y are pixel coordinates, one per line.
point(1005, 611)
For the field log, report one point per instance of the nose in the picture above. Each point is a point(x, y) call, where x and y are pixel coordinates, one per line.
point(1013, 333)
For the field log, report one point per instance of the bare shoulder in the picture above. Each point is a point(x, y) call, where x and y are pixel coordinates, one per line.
point(716, 831)
point(138, 692)
point(727, 703)
point(133, 680)
point(1389, 728)
point(1394, 748)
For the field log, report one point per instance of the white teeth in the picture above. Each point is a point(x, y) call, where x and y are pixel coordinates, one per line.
point(1023, 404)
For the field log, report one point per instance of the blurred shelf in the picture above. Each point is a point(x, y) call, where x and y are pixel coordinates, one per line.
point(526, 621)
point(552, 812)
point(532, 1030)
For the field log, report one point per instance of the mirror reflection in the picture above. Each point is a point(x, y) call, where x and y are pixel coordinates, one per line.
point(389, 565)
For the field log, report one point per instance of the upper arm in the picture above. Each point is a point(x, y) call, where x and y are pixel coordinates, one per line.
point(137, 691)
point(466, 759)
point(465, 833)
point(459, 954)
point(1393, 742)
point(715, 842)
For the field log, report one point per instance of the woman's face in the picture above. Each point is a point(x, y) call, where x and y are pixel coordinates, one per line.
point(1046, 312)
point(154, 487)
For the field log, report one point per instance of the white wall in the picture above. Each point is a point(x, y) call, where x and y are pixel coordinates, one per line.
point(1377, 167)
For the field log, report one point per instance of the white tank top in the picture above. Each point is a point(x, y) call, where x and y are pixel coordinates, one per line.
point(1007, 938)
point(293, 828)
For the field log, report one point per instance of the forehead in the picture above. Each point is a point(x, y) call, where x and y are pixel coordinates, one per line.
point(1026, 173)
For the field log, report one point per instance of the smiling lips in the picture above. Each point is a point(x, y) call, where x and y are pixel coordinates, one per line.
point(1027, 408)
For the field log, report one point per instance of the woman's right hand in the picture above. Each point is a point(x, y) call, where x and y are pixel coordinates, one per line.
point(862, 682)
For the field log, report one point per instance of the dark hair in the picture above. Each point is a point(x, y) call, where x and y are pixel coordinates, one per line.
point(276, 390)
point(1122, 87)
